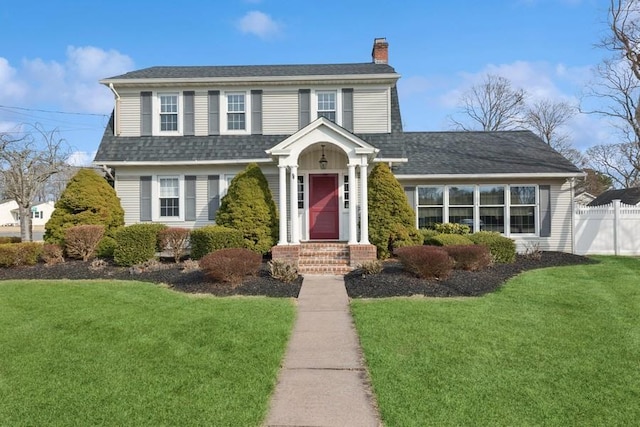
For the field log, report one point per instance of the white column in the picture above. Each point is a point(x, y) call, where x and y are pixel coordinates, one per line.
point(353, 223)
point(293, 200)
point(364, 207)
point(282, 202)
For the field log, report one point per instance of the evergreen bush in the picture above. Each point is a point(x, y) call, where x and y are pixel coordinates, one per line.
point(448, 240)
point(212, 238)
point(19, 254)
point(451, 228)
point(135, 244)
point(249, 207)
point(391, 219)
point(503, 249)
point(88, 199)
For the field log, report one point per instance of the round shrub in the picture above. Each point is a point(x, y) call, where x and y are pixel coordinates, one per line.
point(230, 265)
point(135, 244)
point(426, 262)
point(212, 238)
point(19, 254)
point(106, 247)
point(503, 249)
point(427, 233)
point(448, 240)
point(81, 241)
point(451, 228)
point(469, 257)
point(9, 239)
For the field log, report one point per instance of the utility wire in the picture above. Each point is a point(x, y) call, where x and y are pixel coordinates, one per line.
point(54, 112)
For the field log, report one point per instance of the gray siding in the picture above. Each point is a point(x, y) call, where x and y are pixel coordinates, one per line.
point(129, 117)
point(128, 190)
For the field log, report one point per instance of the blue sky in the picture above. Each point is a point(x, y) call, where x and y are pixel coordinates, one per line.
point(52, 54)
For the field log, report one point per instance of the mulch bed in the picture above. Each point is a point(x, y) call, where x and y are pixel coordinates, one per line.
point(392, 281)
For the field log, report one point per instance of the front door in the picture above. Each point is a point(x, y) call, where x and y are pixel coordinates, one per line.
point(323, 207)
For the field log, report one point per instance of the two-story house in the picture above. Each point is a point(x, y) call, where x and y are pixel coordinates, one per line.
point(180, 134)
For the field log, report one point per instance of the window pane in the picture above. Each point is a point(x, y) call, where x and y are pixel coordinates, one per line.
point(430, 196)
point(523, 195)
point(168, 103)
point(301, 192)
point(461, 216)
point(346, 191)
point(235, 103)
point(169, 207)
point(326, 101)
point(491, 195)
point(523, 219)
point(168, 122)
point(461, 195)
point(429, 216)
point(331, 115)
point(492, 219)
point(235, 121)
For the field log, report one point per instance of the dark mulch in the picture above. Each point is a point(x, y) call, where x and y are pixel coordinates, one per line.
point(392, 281)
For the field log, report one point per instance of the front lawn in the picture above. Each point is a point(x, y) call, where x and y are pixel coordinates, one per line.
point(129, 353)
point(558, 346)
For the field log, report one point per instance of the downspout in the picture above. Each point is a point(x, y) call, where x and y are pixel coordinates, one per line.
point(116, 122)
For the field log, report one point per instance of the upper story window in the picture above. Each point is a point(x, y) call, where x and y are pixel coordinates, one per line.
point(236, 111)
point(327, 105)
point(168, 112)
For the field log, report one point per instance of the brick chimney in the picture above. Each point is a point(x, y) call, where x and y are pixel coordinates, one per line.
point(380, 52)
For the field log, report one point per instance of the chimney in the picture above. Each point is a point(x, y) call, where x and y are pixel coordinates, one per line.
point(380, 52)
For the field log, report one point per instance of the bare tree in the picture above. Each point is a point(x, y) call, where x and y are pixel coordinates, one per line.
point(546, 118)
point(617, 161)
point(593, 182)
point(492, 105)
point(28, 159)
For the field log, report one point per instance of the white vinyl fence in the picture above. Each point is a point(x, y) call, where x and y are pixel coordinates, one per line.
point(613, 229)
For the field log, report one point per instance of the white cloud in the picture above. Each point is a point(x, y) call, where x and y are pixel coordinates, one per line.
point(11, 88)
point(259, 24)
point(81, 158)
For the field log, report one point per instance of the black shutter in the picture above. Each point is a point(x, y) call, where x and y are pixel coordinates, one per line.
point(188, 118)
point(347, 109)
point(256, 112)
point(213, 195)
point(145, 114)
point(190, 198)
point(214, 112)
point(304, 107)
point(545, 211)
point(145, 198)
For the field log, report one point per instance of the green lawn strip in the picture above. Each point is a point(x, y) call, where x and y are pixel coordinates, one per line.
point(558, 346)
point(130, 353)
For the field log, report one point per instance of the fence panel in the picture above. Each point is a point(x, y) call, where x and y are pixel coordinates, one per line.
point(612, 229)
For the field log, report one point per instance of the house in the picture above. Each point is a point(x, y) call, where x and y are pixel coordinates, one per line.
point(628, 196)
point(8, 213)
point(178, 135)
point(584, 198)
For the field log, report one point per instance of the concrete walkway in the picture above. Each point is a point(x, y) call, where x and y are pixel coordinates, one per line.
point(323, 381)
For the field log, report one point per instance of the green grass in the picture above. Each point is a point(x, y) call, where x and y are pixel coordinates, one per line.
point(559, 347)
point(129, 353)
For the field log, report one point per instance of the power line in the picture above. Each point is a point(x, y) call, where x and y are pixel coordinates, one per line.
point(54, 112)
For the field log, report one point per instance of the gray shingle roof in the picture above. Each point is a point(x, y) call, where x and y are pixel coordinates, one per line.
point(256, 71)
point(628, 196)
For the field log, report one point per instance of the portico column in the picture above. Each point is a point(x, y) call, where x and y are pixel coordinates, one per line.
point(364, 208)
point(293, 200)
point(282, 202)
point(353, 223)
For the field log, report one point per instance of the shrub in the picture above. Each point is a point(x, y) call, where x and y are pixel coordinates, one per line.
point(426, 262)
point(81, 241)
point(52, 254)
point(283, 271)
point(230, 265)
point(452, 228)
point(448, 240)
point(391, 219)
point(106, 247)
point(135, 244)
point(175, 240)
point(88, 199)
point(19, 254)
point(371, 267)
point(503, 249)
point(469, 257)
point(212, 238)
point(427, 233)
point(9, 239)
point(249, 207)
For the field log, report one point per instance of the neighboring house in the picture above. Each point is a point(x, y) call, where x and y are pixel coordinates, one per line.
point(178, 135)
point(628, 196)
point(40, 213)
point(584, 198)
point(8, 213)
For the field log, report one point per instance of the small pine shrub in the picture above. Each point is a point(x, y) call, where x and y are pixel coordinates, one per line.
point(19, 254)
point(469, 257)
point(452, 228)
point(503, 249)
point(175, 240)
point(52, 254)
point(230, 265)
point(371, 267)
point(135, 244)
point(9, 239)
point(212, 238)
point(426, 262)
point(427, 233)
point(448, 240)
point(283, 271)
point(106, 247)
point(81, 241)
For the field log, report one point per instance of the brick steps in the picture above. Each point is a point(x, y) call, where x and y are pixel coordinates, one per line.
point(324, 258)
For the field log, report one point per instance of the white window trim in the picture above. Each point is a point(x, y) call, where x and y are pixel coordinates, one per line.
point(224, 125)
point(225, 182)
point(155, 199)
point(314, 103)
point(156, 113)
point(508, 206)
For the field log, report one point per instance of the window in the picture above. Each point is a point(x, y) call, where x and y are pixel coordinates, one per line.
point(300, 192)
point(522, 211)
point(492, 208)
point(37, 214)
point(346, 191)
point(169, 197)
point(168, 112)
point(236, 111)
point(327, 105)
point(430, 205)
point(461, 205)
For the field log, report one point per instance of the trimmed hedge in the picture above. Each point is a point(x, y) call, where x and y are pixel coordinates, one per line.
point(469, 257)
point(12, 239)
point(503, 249)
point(230, 265)
point(136, 244)
point(211, 238)
point(426, 262)
point(19, 254)
point(448, 240)
point(451, 228)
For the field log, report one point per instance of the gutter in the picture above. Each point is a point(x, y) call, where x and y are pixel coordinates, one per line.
point(493, 175)
point(116, 122)
point(181, 163)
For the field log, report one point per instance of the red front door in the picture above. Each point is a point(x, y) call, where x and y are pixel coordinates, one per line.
point(323, 207)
